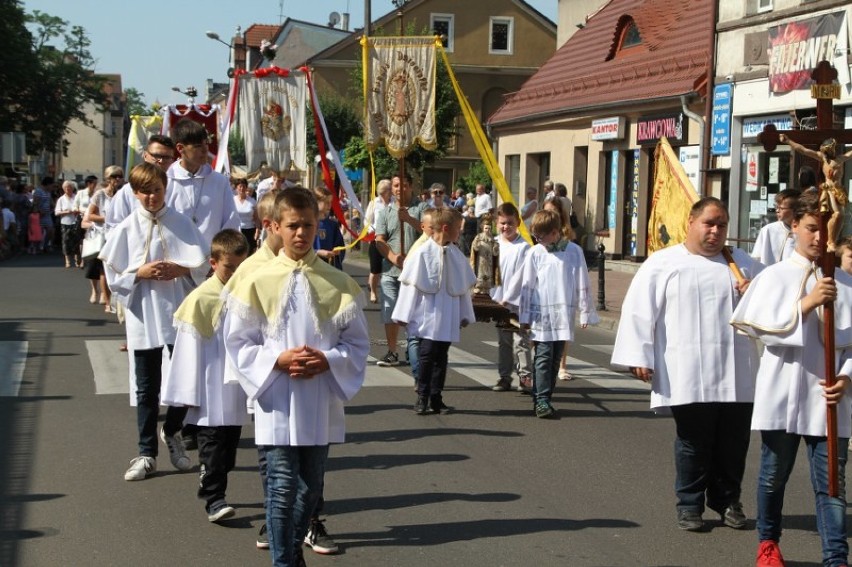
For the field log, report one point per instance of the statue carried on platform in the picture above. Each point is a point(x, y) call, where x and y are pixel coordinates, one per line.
point(484, 257)
point(832, 196)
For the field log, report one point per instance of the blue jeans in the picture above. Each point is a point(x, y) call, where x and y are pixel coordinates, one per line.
point(710, 454)
point(412, 347)
point(777, 457)
point(294, 485)
point(545, 369)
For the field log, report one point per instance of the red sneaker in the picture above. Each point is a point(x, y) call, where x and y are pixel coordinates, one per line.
point(769, 554)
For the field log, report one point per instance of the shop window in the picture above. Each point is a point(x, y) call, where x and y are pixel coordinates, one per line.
point(444, 26)
point(513, 168)
point(501, 36)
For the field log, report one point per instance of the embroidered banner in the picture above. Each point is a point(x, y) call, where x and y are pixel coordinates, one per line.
point(204, 114)
point(399, 84)
point(271, 118)
point(673, 198)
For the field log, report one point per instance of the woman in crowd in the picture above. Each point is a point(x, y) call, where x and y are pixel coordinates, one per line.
point(96, 215)
point(247, 211)
point(81, 205)
point(67, 215)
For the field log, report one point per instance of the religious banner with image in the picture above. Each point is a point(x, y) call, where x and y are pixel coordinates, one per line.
point(399, 85)
point(271, 118)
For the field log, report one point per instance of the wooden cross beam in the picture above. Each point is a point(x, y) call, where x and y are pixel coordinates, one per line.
point(824, 77)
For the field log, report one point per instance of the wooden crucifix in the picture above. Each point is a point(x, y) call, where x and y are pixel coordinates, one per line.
point(832, 201)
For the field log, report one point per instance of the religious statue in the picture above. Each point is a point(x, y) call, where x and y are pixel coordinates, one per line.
point(832, 196)
point(485, 256)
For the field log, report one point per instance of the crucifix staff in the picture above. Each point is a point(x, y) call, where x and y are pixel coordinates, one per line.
point(825, 89)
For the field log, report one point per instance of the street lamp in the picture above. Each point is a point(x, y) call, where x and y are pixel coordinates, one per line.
point(190, 92)
point(400, 4)
point(215, 37)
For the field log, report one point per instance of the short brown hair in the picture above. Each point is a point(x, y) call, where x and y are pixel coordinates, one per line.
point(807, 204)
point(266, 205)
point(145, 175)
point(445, 216)
point(228, 241)
point(545, 222)
point(295, 198)
point(507, 209)
point(842, 244)
point(701, 204)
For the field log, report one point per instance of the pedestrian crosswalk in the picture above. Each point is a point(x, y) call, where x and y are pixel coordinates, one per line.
point(110, 369)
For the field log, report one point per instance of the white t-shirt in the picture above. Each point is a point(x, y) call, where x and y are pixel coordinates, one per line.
point(245, 210)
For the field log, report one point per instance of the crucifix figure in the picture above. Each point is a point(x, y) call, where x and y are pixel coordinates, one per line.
point(826, 138)
point(824, 90)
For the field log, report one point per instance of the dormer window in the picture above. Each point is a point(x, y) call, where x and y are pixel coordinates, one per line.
point(631, 36)
point(626, 37)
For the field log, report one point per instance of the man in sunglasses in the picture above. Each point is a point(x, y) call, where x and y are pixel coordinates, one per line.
point(437, 190)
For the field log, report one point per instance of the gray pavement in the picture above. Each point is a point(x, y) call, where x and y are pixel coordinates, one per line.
point(484, 485)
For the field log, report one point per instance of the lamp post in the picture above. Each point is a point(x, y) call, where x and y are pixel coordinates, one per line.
point(190, 92)
point(215, 37)
point(400, 4)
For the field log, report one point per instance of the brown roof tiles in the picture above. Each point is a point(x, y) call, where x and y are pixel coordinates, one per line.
point(588, 71)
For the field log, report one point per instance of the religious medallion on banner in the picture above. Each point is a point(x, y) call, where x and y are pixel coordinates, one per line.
point(271, 117)
point(399, 86)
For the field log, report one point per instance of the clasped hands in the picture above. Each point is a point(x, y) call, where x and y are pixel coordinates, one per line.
point(161, 270)
point(302, 362)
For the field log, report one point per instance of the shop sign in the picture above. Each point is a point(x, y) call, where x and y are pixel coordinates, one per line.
point(722, 98)
point(649, 129)
point(754, 126)
point(795, 49)
point(608, 128)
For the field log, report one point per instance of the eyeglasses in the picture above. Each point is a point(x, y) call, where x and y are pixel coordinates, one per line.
point(159, 158)
point(437, 192)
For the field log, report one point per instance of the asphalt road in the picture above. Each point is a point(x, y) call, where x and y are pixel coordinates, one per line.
point(484, 485)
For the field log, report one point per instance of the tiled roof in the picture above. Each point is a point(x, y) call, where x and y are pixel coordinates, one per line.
point(671, 60)
point(258, 32)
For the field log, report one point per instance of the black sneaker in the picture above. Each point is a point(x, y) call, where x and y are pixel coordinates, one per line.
point(689, 520)
point(318, 538)
point(502, 385)
point(733, 516)
point(263, 538)
point(420, 406)
point(437, 405)
point(390, 359)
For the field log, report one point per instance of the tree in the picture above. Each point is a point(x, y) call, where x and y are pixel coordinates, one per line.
point(478, 175)
point(341, 120)
point(135, 101)
point(45, 85)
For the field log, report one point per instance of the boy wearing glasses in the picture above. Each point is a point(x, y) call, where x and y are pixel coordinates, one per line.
point(776, 241)
point(160, 151)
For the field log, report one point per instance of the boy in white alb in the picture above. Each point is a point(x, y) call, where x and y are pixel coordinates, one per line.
point(152, 260)
point(296, 333)
point(782, 308)
point(196, 378)
point(513, 350)
point(434, 303)
point(552, 285)
point(776, 241)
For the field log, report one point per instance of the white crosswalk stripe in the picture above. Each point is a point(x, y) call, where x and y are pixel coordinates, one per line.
point(13, 360)
point(110, 369)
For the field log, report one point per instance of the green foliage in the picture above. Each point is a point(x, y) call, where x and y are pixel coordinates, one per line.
point(340, 118)
point(236, 147)
point(135, 101)
point(477, 175)
point(47, 76)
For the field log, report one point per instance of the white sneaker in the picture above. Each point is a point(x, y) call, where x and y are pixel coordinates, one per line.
point(140, 468)
point(177, 454)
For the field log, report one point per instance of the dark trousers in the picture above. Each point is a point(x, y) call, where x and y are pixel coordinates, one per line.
point(149, 378)
point(710, 453)
point(217, 453)
point(432, 372)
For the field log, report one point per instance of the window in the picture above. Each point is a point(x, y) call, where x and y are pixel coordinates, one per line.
point(764, 6)
point(513, 167)
point(442, 24)
point(631, 36)
point(501, 37)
